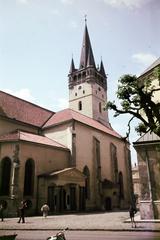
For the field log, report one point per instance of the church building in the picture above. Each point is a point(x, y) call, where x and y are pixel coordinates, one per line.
point(72, 159)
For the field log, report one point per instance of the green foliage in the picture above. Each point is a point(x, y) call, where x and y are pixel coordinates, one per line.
point(141, 128)
point(135, 96)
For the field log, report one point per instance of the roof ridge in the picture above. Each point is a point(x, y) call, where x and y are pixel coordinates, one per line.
point(43, 136)
point(91, 119)
point(151, 66)
point(71, 116)
point(21, 99)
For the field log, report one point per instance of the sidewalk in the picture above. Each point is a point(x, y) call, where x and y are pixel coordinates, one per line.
point(107, 221)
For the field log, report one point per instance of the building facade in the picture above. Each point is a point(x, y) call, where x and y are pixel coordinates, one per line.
point(71, 159)
point(148, 154)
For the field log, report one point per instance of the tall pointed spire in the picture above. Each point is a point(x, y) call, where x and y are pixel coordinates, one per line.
point(72, 67)
point(101, 70)
point(86, 52)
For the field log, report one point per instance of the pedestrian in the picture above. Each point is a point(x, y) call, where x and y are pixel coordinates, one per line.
point(1, 212)
point(45, 209)
point(22, 208)
point(132, 211)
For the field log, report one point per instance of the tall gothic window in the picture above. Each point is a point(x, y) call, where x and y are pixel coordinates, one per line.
point(80, 105)
point(97, 158)
point(100, 107)
point(114, 162)
point(29, 178)
point(121, 186)
point(87, 182)
point(5, 174)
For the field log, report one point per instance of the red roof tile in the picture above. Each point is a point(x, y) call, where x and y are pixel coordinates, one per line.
point(69, 114)
point(30, 137)
point(21, 110)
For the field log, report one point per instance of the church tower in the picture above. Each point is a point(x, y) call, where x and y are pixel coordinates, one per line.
point(88, 84)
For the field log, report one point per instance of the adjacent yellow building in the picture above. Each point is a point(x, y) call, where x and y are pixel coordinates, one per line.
point(148, 154)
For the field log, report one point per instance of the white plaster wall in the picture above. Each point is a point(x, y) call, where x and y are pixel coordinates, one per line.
point(62, 134)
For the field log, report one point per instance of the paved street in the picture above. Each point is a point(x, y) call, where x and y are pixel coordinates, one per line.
point(97, 225)
point(86, 235)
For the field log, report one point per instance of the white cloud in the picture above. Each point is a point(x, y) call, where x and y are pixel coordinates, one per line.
point(73, 24)
point(62, 103)
point(23, 93)
point(22, 1)
point(127, 3)
point(67, 1)
point(144, 59)
point(55, 12)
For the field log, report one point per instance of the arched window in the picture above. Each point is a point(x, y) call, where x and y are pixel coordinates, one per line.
point(121, 186)
point(87, 182)
point(5, 174)
point(79, 105)
point(29, 177)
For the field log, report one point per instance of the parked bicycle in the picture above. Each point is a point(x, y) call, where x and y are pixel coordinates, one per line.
point(59, 236)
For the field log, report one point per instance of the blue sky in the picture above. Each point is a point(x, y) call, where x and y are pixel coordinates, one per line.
point(39, 37)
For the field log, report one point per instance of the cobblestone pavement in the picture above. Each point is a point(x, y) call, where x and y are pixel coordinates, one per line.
point(111, 221)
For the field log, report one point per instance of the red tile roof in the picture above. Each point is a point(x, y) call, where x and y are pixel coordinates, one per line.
point(30, 137)
point(23, 111)
point(69, 114)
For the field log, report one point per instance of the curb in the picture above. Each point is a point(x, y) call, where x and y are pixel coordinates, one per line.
point(79, 229)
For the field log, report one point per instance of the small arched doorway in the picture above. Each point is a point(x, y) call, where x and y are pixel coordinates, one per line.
point(108, 204)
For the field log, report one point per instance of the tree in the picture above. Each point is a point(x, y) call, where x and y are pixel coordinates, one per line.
point(136, 97)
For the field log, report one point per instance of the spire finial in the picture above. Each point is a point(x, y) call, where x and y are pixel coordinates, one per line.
point(85, 19)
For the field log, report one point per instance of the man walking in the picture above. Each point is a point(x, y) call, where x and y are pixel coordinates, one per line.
point(132, 211)
point(22, 212)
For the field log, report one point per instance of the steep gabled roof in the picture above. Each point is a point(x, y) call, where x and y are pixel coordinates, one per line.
point(30, 137)
point(23, 111)
point(152, 66)
point(69, 114)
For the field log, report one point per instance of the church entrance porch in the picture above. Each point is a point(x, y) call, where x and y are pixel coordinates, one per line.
point(65, 190)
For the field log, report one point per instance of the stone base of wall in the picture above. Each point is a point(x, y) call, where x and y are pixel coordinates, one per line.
point(149, 210)
point(146, 210)
point(157, 209)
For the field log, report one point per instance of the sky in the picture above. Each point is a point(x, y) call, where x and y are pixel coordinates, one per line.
point(39, 37)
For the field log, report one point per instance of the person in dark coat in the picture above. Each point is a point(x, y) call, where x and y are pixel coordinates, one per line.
point(1, 212)
point(132, 211)
point(22, 208)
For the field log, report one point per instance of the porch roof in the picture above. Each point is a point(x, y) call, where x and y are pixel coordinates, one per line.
point(149, 137)
point(65, 176)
